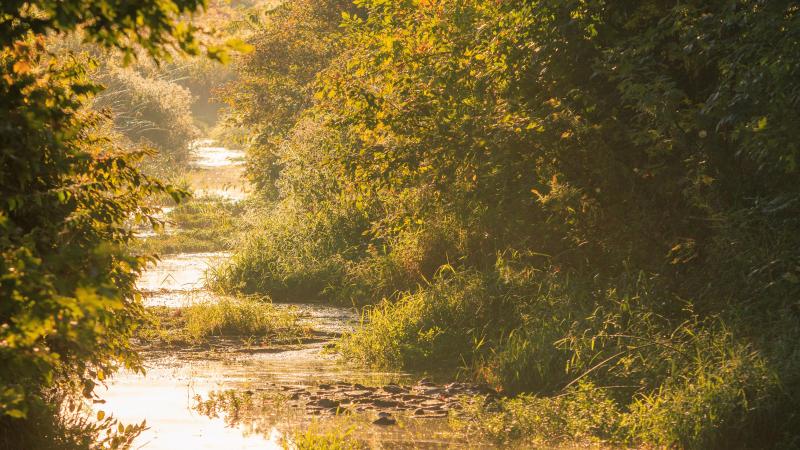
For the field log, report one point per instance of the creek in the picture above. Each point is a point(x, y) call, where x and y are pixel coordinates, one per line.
point(176, 383)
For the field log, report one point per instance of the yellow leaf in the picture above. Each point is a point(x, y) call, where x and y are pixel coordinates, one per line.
point(21, 67)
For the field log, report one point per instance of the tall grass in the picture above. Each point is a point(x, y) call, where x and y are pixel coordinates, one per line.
point(200, 224)
point(313, 439)
point(225, 317)
point(438, 325)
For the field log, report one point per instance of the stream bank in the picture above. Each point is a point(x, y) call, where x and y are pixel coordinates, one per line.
point(225, 397)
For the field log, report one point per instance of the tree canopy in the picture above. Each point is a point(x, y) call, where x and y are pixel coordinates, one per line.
point(69, 193)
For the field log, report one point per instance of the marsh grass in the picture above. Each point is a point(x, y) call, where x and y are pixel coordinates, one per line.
point(585, 415)
point(433, 326)
point(201, 224)
point(245, 318)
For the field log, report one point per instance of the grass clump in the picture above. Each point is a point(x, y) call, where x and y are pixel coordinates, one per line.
point(281, 256)
point(584, 414)
point(242, 318)
point(313, 439)
point(201, 224)
point(433, 326)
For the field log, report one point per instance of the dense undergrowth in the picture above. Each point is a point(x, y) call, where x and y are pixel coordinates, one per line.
point(591, 204)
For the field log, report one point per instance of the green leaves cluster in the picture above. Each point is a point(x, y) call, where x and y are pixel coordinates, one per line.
point(152, 25)
point(622, 175)
point(68, 193)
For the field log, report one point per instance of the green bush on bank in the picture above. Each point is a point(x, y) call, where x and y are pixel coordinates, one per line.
point(611, 186)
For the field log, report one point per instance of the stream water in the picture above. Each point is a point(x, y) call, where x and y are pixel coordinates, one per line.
point(167, 395)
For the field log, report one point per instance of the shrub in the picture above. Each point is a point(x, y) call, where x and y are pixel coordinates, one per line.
point(584, 414)
point(149, 111)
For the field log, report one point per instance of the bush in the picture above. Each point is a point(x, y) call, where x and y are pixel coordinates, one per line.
point(289, 255)
point(584, 414)
point(150, 111)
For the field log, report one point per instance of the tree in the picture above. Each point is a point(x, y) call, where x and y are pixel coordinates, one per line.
point(68, 194)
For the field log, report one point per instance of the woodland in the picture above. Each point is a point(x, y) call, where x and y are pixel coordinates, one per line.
point(592, 206)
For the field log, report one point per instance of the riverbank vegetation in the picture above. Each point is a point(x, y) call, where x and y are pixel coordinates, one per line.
point(591, 205)
point(200, 224)
point(246, 319)
point(571, 200)
point(70, 185)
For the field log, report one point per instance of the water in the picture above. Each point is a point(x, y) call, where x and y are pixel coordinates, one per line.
point(205, 155)
point(217, 171)
point(178, 280)
point(167, 395)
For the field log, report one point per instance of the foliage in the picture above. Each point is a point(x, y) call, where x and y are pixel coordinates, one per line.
point(284, 257)
point(74, 427)
point(583, 414)
point(148, 111)
point(291, 43)
point(613, 183)
point(152, 25)
point(68, 194)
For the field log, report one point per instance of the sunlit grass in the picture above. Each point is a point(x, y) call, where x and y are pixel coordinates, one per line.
point(227, 317)
point(313, 439)
point(202, 224)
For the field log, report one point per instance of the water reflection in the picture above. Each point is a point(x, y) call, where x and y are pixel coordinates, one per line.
point(236, 401)
point(179, 274)
point(205, 155)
